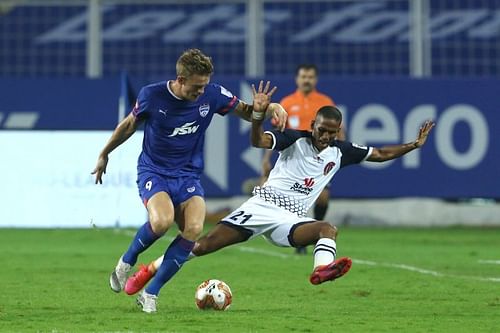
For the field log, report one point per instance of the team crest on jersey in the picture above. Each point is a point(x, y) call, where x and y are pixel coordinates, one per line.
point(204, 109)
point(328, 167)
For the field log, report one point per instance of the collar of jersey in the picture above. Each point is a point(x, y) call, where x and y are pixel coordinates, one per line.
point(171, 92)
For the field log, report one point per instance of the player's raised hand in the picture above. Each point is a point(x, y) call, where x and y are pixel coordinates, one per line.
point(424, 131)
point(262, 97)
point(100, 168)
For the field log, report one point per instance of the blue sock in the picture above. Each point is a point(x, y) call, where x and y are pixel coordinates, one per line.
point(142, 240)
point(176, 255)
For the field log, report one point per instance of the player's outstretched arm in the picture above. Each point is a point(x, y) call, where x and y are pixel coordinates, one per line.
point(122, 132)
point(387, 153)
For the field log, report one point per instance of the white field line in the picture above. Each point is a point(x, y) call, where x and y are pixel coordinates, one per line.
point(277, 254)
point(494, 262)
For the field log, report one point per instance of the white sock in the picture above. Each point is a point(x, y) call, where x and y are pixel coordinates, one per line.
point(191, 255)
point(158, 262)
point(324, 252)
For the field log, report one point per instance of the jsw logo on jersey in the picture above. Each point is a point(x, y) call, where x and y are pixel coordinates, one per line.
point(187, 128)
point(305, 188)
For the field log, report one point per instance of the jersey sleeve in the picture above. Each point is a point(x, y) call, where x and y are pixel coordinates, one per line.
point(283, 140)
point(226, 101)
point(352, 153)
point(141, 108)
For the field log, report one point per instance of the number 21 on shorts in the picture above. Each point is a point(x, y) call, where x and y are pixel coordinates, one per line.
point(240, 217)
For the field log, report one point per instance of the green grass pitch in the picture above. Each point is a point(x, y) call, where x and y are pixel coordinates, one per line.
point(402, 280)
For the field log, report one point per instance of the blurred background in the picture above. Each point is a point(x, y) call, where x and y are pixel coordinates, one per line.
point(70, 70)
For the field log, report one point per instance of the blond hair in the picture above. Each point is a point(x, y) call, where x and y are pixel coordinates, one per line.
point(193, 61)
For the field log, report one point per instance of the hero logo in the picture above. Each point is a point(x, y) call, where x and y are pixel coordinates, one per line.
point(305, 188)
point(187, 128)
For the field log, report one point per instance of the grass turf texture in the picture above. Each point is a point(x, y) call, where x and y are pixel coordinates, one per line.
point(57, 281)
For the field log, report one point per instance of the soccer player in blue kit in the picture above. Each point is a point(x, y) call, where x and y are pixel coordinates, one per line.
point(176, 115)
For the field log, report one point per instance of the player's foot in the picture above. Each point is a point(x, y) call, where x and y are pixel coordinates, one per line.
point(119, 276)
point(147, 302)
point(301, 250)
point(137, 281)
point(331, 271)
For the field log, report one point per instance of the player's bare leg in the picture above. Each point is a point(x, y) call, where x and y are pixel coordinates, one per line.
point(160, 212)
point(219, 237)
point(320, 208)
point(146, 272)
point(321, 233)
point(193, 214)
point(321, 205)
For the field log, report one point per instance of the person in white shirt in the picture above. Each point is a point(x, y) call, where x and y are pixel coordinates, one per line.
point(277, 210)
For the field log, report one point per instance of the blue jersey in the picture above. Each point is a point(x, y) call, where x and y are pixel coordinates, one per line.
point(174, 130)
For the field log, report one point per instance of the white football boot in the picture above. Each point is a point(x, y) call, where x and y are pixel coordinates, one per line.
point(119, 276)
point(147, 301)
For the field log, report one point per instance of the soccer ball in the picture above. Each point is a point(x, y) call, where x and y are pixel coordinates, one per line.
point(213, 294)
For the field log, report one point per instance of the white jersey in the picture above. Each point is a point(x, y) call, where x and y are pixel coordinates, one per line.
point(302, 172)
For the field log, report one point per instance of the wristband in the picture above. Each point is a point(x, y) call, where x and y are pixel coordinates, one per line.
point(258, 115)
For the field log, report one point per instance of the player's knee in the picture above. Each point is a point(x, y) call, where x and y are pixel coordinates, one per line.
point(328, 231)
point(192, 230)
point(161, 223)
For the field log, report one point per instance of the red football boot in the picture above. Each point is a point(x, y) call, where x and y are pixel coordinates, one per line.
point(137, 281)
point(331, 271)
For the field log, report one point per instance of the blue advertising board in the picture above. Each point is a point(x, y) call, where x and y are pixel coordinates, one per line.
point(460, 158)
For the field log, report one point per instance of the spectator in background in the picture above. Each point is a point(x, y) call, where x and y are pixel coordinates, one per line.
point(301, 107)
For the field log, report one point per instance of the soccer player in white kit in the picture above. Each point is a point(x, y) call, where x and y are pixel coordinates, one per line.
point(277, 210)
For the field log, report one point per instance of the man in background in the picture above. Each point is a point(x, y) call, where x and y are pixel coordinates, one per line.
point(301, 107)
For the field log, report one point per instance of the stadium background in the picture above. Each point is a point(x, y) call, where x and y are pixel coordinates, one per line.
point(69, 71)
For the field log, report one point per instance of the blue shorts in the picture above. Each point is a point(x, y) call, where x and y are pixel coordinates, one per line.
point(179, 189)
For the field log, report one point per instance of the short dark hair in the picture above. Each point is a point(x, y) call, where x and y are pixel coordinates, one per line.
point(193, 61)
point(306, 67)
point(330, 112)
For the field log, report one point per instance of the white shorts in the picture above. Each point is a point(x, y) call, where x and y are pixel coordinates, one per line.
point(257, 217)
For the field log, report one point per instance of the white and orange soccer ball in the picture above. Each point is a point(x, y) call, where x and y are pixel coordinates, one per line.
point(213, 294)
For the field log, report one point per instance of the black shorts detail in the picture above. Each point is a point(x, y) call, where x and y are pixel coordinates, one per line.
point(292, 229)
point(247, 233)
